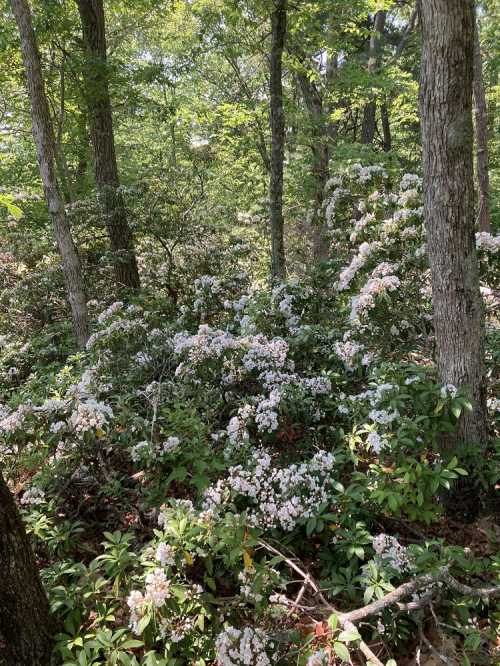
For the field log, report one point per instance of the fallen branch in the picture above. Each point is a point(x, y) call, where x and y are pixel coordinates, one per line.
point(431, 581)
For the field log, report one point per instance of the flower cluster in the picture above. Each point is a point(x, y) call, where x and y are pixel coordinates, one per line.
point(277, 496)
point(156, 593)
point(243, 647)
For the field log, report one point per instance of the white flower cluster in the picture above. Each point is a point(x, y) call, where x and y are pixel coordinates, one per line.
point(14, 420)
point(347, 351)
point(243, 647)
point(375, 286)
point(284, 301)
point(390, 551)
point(278, 496)
point(376, 442)
point(157, 591)
point(382, 416)
point(410, 181)
point(110, 312)
point(364, 174)
point(146, 451)
point(358, 261)
point(448, 391)
point(90, 415)
point(165, 554)
point(33, 496)
point(487, 242)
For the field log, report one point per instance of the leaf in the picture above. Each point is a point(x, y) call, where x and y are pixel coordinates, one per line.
point(143, 623)
point(341, 651)
point(333, 621)
point(131, 643)
point(188, 557)
point(349, 635)
point(368, 595)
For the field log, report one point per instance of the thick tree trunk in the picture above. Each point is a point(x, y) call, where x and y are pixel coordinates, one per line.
point(447, 143)
point(26, 626)
point(369, 123)
point(481, 126)
point(321, 159)
point(103, 143)
point(278, 20)
point(43, 134)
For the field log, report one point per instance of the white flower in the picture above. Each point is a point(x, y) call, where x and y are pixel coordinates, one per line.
point(165, 554)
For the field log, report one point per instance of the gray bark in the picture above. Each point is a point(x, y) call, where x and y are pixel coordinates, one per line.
point(369, 112)
point(277, 118)
point(481, 127)
point(26, 626)
point(447, 143)
point(321, 158)
point(103, 143)
point(43, 134)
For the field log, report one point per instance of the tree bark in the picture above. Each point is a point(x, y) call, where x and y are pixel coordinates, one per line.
point(321, 158)
point(447, 143)
point(386, 128)
point(277, 118)
point(481, 127)
point(26, 626)
point(43, 134)
point(369, 122)
point(103, 143)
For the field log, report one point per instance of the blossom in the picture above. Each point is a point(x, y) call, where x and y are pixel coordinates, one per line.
point(157, 587)
point(487, 242)
point(242, 647)
point(165, 554)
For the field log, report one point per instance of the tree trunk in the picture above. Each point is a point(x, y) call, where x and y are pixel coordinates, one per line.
point(321, 159)
point(481, 126)
point(43, 134)
point(278, 20)
point(369, 123)
point(103, 143)
point(386, 128)
point(446, 117)
point(26, 626)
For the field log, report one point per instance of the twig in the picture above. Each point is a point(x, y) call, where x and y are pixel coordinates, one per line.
point(435, 652)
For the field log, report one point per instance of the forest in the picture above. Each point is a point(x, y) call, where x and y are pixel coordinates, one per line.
point(249, 332)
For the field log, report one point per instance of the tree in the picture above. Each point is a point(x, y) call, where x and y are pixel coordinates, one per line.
point(26, 626)
point(103, 143)
point(278, 21)
point(481, 126)
point(369, 112)
point(43, 134)
point(447, 140)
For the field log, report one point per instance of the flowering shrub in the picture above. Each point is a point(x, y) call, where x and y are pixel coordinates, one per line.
point(241, 430)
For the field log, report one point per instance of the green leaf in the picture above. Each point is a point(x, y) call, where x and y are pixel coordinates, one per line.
point(333, 621)
point(143, 623)
point(131, 643)
point(349, 635)
point(341, 651)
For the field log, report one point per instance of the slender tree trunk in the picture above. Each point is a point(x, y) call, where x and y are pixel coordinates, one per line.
point(481, 126)
point(103, 143)
point(386, 127)
point(43, 134)
point(278, 19)
point(447, 143)
point(369, 122)
point(26, 626)
point(321, 159)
